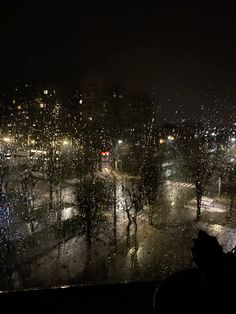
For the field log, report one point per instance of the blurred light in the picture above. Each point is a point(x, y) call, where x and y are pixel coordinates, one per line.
point(161, 141)
point(90, 118)
point(120, 141)
point(7, 139)
point(32, 141)
point(65, 142)
point(38, 151)
point(81, 101)
point(45, 92)
point(105, 153)
point(213, 134)
point(170, 138)
point(233, 139)
point(19, 107)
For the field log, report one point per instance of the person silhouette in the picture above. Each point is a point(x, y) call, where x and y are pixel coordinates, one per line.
point(208, 287)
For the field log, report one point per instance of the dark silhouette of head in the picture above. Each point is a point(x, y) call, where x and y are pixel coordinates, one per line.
point(206, 251)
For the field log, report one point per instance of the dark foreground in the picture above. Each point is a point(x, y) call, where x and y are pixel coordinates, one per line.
point(118, 298)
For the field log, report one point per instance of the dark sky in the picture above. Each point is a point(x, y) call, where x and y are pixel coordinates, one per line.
point(176, 51)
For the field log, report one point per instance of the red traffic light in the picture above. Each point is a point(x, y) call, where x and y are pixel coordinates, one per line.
point(105, 153)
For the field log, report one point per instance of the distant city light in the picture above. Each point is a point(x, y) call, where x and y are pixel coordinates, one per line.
point(65, 142)
point(36, 151)
point(233, 139)
point(90, 118)
point(45, 92)
point(32, 141)
point(161, 141)
point(7, 139)
point(213, 134)
point(170, 138)
point(120, 141)
point(81, 101)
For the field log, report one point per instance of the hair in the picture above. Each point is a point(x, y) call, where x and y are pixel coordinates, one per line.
point(206, 250)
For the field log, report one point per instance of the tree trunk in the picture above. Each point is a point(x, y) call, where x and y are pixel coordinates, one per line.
point(88, 260)
point(114, 217)
point(51, 174)
point(134, 257)
point(199, 203)
point(231, 205)
point(150, 213)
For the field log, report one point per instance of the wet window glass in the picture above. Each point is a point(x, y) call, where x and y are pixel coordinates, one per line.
point(117, 140)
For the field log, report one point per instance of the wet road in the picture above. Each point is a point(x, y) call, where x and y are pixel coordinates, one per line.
point(143, 252)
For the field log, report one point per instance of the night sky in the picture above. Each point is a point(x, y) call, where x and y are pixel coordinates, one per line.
point(180, 53)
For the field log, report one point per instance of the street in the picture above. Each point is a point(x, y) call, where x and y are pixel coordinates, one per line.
point(142, 251)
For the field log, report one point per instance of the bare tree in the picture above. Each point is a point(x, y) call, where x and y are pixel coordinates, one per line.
point(93, 198)
point(199, 163)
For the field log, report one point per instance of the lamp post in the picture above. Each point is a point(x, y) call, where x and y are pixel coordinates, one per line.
point(117, 146)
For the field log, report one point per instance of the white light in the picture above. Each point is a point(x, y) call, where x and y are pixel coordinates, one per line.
point(38, 151)
point(233, 139)
point(213, 134)
point(65, 142)
point(120, 141)
point(45, 92)
point(81, 101)
point(171, 138)
point(7, 139)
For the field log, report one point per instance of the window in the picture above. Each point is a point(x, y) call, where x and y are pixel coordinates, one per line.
point(116, 155)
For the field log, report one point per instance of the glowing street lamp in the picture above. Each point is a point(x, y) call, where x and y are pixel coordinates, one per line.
point(170, 138)
point(65, 142)
point(7, 139)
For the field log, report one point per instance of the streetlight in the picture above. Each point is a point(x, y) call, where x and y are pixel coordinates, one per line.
point(170, 138)
point(65, 142)
point(7, 139)
point(119, 142)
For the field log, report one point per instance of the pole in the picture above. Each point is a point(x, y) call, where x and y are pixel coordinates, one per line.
point(219, 186)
